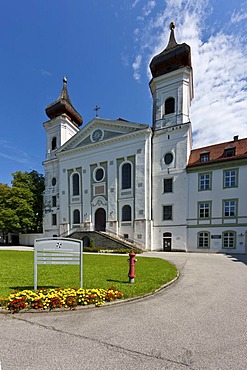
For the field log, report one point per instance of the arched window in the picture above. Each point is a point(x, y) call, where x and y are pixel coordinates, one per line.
point(126, 176)
point(54, 143)
point(203, 240)
point(76, 216)
point(169, 106)
point(75, 184)
point(126, 213)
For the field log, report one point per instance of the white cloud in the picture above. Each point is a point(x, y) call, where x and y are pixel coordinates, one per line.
point(239, 15)
point(135, 3)
point(14, 154)
point(136, 67)
point(219, 108)
point(148, 7)
point(125, 59)
point(44, 72)
point(146, 10)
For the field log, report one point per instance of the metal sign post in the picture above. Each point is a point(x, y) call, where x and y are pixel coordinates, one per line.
point(57, 251)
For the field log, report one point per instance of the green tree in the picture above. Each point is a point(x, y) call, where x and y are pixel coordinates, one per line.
point(36, 183)
point(21, 206)
point(8, 218)
point(16, 208)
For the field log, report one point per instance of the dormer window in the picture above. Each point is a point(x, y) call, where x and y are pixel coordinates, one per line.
point(229, 151)
point(169, 106)
point(204, 156)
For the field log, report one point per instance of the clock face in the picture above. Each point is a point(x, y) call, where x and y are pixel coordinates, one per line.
point(97, 135)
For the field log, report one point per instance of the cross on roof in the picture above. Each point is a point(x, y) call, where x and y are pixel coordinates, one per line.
point(96, 110)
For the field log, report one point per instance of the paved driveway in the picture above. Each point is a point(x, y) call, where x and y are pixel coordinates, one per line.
point(197, 323)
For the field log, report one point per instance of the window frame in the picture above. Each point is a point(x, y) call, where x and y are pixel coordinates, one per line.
point(168, 158)
point(203, 239)
point(230, 184)
point(129, 181)
point(224, 201)
point(54, 143)
point(228, 239)
point(169, 180)
point(54, 201)
point(95, 174)
point(169, 106)
point(76, 217)
point(165, 206)
point(54, 219)
point(199, 204)
point(200, 181)
point(204, 157)
point(127, 216)
point(230, 152)
point(77, 175)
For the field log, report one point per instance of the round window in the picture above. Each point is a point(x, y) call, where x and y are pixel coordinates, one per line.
point(168, 158)
point(99, 174)
point(53, 181)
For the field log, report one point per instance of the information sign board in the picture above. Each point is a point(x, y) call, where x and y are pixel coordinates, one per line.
point(215, 236)
point(57, 251)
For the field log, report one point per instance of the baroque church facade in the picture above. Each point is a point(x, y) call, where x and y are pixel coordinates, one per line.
point(145, 183)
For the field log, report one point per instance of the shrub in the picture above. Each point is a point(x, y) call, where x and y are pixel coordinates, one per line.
point(92, 243)
point(119, 250)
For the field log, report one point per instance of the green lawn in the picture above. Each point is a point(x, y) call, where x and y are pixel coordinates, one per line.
point(99, 271)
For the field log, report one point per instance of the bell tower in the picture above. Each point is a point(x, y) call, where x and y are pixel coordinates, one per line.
point(172, 84)
point(172, 91)
point(63, 124)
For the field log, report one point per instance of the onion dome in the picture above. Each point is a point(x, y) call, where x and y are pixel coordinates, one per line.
point(64, 106)
point(173, 57)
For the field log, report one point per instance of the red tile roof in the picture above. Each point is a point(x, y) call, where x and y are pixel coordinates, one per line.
point(217, 152)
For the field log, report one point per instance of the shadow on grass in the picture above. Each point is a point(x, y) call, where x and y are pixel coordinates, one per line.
point(31, 287)
point(118, 281)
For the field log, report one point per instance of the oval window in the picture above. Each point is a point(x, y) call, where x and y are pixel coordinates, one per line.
point(99, 174)
point(53, 181)
point(168, 158)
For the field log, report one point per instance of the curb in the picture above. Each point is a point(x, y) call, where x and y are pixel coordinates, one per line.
point(106, 305)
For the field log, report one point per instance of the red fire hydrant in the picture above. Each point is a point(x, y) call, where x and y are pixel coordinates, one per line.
point(132, 262)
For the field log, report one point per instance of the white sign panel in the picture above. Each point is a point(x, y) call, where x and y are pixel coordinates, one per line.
point(57, 251)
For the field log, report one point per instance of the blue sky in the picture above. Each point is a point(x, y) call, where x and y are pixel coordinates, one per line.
point(104, 48)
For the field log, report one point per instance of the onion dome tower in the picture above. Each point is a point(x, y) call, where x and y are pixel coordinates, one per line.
point(63, 124)
point(172, 83)
point(173, 57)
point(172, 92)
point(64, 106)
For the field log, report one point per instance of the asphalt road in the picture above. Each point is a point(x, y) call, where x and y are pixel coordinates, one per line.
point(197, 323)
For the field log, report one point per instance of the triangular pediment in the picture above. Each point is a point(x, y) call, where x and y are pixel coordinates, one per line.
point(100, 130)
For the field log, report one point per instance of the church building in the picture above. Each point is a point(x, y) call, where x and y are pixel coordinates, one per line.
point(144, 183)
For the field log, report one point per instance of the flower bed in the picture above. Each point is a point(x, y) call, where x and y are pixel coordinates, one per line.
point(48, 299)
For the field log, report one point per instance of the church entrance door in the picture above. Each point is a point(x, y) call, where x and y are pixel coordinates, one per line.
point(167, 242)
point(100, 219)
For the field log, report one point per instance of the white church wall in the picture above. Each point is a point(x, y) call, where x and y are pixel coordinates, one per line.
point(69, 163)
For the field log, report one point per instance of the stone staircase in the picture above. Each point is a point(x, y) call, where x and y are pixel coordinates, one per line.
point(104, 240)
